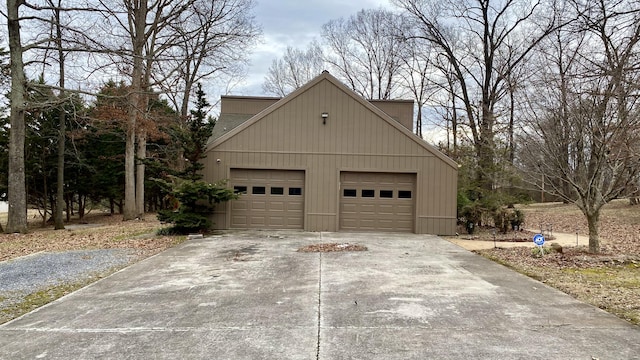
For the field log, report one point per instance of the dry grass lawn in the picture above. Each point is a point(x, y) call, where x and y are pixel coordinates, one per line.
point(98, 231)
point(610, 280)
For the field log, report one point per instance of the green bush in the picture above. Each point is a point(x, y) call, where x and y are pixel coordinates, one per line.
point(517, 219)
point(462, 202)
point(195, 201)
point(500, 220)
point(167, 231)
point(508, 217)
point(472, 214)
point(546, 250)
point(539, 251)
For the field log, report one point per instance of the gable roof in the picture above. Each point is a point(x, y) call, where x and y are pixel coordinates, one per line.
point(228, 131)
point(226, 123)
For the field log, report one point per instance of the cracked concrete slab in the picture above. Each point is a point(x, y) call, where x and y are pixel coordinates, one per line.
point(250, 295)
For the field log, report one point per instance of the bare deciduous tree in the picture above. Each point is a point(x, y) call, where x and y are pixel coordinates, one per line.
point(17, 220)
point(213, 40)
point(418, 75)
point(192, 39)
point(584, 139)
point(294, 69)
point(44, 16)
point(169, 44)
point(484, 42)
point(144, 35)
point(58, 217)
point(366, 51)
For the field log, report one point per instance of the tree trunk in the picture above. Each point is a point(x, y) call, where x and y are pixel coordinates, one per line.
point(138, 19)
point(485, 148)
point(141, 155)
point(58, 220)
point(182, 122)
point(82, 201)
point(129, 168)
point(17, 217)
point(511, 127)
point(44, 198)
point(593, 220)
point(67, 204)
point(486, 166)
point(454, 128)
point(52, 201)
point(419, 121)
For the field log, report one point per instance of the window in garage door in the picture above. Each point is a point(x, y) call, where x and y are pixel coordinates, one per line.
point(377, 201)
point(271, 199)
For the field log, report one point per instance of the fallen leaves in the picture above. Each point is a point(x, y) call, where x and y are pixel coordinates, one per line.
point(619, 223)
point(486, 234)
point(105, 232)
point(609, 280)
point(332, 247)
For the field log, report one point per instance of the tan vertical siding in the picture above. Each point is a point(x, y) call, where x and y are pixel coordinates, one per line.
point(354, 139)
point(245, 105)
point(433, 215)
point(399, 110)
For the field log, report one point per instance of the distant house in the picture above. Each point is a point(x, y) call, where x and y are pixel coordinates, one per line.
point(325, 159)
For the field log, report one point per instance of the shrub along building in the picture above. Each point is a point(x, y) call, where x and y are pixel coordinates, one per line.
point(325, 159)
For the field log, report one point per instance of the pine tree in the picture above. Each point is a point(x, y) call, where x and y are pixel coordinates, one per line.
point(193, 198)
point(199, 129)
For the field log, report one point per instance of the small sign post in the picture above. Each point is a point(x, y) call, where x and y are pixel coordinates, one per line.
point(538, 239)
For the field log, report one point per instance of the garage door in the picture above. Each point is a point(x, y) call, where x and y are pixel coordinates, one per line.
point(271, 199)
point(377, 201)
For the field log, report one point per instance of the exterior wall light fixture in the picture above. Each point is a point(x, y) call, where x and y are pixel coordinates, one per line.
point(324, 115)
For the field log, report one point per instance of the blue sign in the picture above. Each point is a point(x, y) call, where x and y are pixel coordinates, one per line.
point(538, 239)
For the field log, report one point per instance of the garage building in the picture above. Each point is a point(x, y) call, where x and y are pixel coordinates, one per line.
point(325, 159)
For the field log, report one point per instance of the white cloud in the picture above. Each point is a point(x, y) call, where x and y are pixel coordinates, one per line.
point(434, 135)
point(293, 23)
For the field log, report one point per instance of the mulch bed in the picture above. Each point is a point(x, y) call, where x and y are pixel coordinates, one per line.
point(486, 234)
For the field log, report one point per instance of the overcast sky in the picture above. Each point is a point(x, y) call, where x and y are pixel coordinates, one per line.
point(292, 23)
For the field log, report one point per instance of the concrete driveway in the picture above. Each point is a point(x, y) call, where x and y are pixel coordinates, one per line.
point(250, 295)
